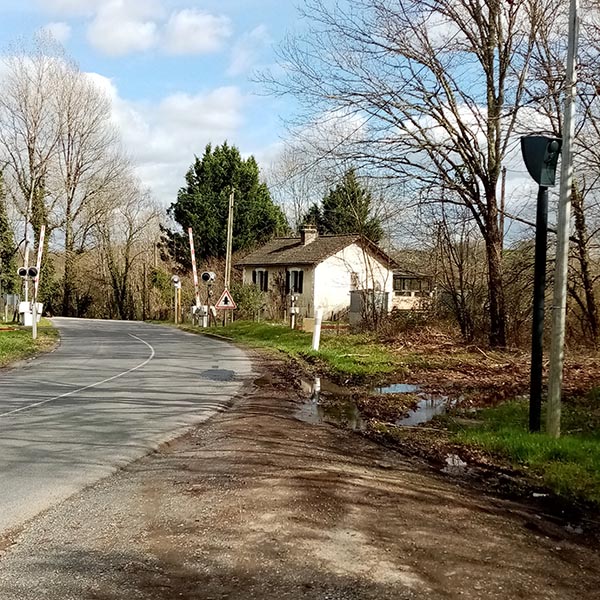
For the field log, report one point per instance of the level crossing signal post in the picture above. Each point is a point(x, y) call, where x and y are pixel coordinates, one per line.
point(540, 154)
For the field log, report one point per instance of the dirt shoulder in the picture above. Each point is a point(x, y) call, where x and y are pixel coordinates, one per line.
point(255, 504)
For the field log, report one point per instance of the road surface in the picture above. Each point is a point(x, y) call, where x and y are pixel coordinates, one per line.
point(109, 394)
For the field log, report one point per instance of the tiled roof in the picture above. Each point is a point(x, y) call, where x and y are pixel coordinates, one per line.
point(290, 251)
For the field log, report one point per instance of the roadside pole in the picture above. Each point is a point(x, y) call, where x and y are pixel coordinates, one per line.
point(559, 304)
point(317, 332)
point(196, 314)
point(36, 281)
point(229, 248)
point(537, 327)
point(176, 296)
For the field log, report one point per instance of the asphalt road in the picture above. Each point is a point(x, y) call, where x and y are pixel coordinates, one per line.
point(108, 395)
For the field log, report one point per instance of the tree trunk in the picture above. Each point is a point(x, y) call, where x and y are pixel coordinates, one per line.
point(493, 248)
point(67, 303)
point(591, 305)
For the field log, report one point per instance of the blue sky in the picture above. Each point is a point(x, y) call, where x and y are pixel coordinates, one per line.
point(179, 72)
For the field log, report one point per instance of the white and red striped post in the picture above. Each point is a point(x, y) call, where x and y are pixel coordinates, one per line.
point(38, 263)
point(36, 282)
point(194, 270)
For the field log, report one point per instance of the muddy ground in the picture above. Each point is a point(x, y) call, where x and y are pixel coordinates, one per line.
point(256, 504)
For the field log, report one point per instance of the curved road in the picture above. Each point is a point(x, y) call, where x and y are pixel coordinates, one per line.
point(110, 393)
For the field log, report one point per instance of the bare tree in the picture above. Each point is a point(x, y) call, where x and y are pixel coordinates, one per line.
point(435, 87)
point(125, 234)
point(60, 149)
point(87, 163)
point(546, 97)
point(29, 128)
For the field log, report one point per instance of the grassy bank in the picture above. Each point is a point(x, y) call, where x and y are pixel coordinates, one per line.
point(570, 465)
point(358, 357)
point(16, 343)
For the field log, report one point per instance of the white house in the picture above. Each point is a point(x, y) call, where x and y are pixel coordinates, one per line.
point(320, 270)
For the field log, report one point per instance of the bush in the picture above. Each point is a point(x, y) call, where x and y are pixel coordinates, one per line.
point(250, 301)
point(402, 321)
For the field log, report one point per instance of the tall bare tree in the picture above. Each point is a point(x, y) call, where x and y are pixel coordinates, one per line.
point(435, 87)
point(60, 149)
point(546, 98)
point(125, 234)
point(87, 163)
point(29, 126)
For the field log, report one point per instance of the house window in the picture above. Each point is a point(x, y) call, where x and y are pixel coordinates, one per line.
point(260, 278)
point(294, 281)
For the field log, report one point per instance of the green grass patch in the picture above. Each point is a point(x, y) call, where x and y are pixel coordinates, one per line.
point(570, 465)
point(343, 355)
point(17, 344)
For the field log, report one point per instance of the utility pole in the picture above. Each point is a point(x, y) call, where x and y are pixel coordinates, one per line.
point(559, 304)
point(229, 247)
point(229, 243)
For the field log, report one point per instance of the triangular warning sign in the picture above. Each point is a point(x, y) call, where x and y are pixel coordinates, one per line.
point(226, 301)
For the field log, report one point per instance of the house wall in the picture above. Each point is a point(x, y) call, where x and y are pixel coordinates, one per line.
point(333, 279)
point(412, 300)
point(305, 300)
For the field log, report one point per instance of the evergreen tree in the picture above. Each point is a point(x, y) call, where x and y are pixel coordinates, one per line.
point(8, 266)
point(313, 217)
point(346, 209)
point(203, 205)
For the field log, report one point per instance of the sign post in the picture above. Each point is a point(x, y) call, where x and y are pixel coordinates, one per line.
point(176, 296)
point(540, 154)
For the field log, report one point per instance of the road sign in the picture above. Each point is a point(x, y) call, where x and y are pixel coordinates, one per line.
point(225, 302)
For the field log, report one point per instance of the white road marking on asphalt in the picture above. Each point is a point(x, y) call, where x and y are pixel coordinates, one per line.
point(87, 387)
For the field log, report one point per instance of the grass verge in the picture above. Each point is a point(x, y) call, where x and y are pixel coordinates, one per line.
point(358, 357)
point(569, 465)
point(16, 343)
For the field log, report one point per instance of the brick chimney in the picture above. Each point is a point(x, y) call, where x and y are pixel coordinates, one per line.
point(308, 234)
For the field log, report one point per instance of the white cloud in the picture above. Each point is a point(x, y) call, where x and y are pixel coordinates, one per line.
point(71, 7)
point(121, 27)
point(162, 138)
point(192, 31)
point(60, 31)
point(246, 50)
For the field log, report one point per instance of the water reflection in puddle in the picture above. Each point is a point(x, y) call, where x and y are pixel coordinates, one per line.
point(340, 409)
point(427, 408)
point(397, 388)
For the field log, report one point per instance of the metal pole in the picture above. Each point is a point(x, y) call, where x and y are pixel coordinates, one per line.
point(229, 242)
point(38, 263)
point(559, 304)
point(175, 303)
point(537, 329)
point(229, 248)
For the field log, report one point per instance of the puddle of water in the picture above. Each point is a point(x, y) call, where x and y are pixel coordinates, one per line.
point(344, 412)
point(427, 408)
point(218, 374)
point(324, 385)
point(397, 388)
